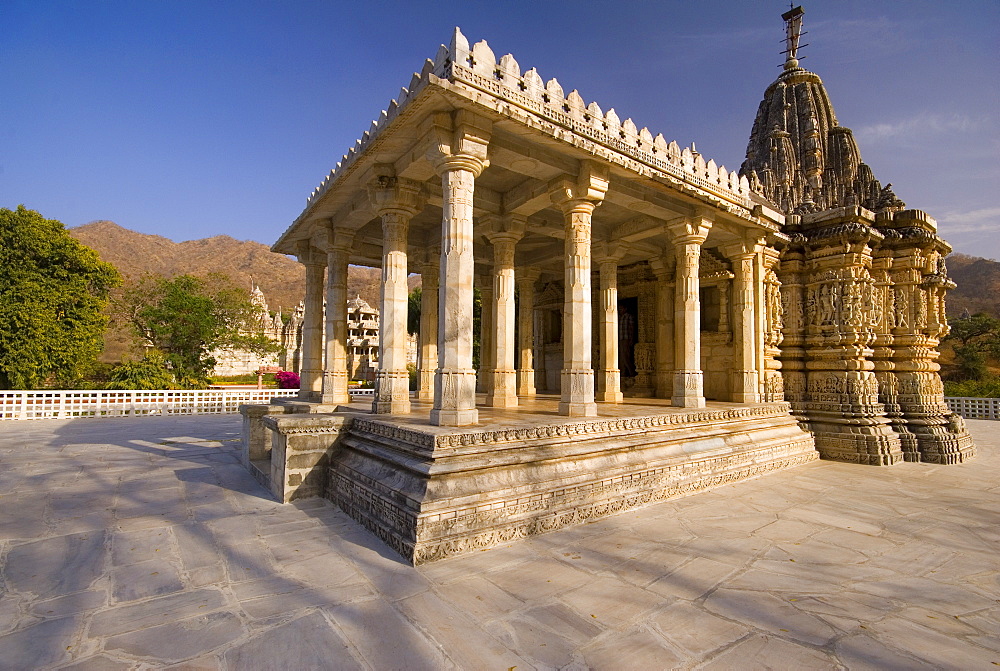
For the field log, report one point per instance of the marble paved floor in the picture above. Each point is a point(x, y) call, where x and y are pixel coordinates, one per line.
point(142, 543)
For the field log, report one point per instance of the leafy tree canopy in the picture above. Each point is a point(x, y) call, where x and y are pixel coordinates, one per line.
point(150, 372)
point(186, 318)
point(978, 337)
point(52, 293)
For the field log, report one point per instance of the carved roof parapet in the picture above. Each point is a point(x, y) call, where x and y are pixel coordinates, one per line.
point(851, 231)
point(909, 236)
point(478, 66)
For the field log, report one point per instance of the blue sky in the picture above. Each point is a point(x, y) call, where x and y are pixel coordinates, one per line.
point(193, 119)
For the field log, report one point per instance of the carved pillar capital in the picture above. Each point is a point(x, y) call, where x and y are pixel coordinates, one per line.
point(458, 141)
point(389, 194)
point(606, 252)
point(583, 193)
point(338, 239)
point(691, 230)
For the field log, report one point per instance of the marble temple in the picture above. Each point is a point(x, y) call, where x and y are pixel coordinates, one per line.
point(653, 324)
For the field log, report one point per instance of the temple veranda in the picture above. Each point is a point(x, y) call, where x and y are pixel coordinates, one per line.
point(640, 307)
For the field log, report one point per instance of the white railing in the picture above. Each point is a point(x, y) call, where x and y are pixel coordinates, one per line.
point(974, 408)
point(64, 403)
point(69, 403)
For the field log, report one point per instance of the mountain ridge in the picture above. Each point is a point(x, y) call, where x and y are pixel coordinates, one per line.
point(247, 262)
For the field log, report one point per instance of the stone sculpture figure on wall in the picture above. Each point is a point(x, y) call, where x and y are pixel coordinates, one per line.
point(828, 304)
point(920, 309)
point(902, 308)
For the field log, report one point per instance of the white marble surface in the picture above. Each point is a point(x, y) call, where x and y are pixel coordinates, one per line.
point(139, 543)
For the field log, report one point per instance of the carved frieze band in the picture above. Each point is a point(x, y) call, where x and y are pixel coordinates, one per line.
point(608, 426)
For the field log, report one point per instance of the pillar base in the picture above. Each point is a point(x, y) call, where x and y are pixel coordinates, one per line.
point(610, 396)
point(689, 391)
point(391, 407)
point(688, 401)
point(392, 393)
point(335, 399)
point(568, 409)
point(425, 389)
point(745, 387)
point(454, 417)
point(309, 396)
point(526, 382)
point(502, 392)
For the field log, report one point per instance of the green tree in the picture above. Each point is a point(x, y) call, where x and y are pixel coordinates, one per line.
point(52, 293)
point(413, 308)
point(978, 336)
point(150, 372)
point(187, 318)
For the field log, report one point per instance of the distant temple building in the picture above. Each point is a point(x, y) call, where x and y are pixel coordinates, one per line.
point(362, 347)
point(653, 324)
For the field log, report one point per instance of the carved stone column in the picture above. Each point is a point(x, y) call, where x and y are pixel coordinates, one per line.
point(611, 384)
point(645, 348)
point(688, 238)
point(458, 143)
point(773, 388)
point(539, 358)
point(744, 384)
point(577, 201)
point(484, 378)
point(311, 366)
point(664, 271)
point(396, 201)
point(503, 384)
point(428, 327)
point(335, 373)
point(526, 278)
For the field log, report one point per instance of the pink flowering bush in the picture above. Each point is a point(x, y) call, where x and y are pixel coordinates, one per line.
point(287, 380)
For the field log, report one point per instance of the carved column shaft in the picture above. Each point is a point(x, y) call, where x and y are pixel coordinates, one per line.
point(455, 379)
point(503, 387)
point(541, 375)
point(335, 373)
point(392, 383)
point(611, 387)
point(745, 383)
point(484, 379)
point(577, 378)
point(428, 330)
point(311, 367)
point(688, 377)
point(664, 332)
point(526, 331)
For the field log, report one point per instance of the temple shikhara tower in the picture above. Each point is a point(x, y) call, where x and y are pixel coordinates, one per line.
point(653, 324)
point(863, 284)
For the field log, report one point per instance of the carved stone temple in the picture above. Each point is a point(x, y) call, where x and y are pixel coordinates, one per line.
point(653, 323)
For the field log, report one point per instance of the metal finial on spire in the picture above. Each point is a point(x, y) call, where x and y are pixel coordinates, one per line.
point(793, 31)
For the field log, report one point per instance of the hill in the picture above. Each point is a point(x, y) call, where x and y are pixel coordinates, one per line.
point(978, 283)
point(280, 277)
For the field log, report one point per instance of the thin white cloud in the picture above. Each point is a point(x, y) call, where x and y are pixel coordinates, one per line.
point(921, 125)
point(982, 220)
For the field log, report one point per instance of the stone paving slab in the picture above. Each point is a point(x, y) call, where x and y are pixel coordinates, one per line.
point(139, 543)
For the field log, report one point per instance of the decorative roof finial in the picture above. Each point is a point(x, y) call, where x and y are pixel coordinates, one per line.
point(793, 31)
